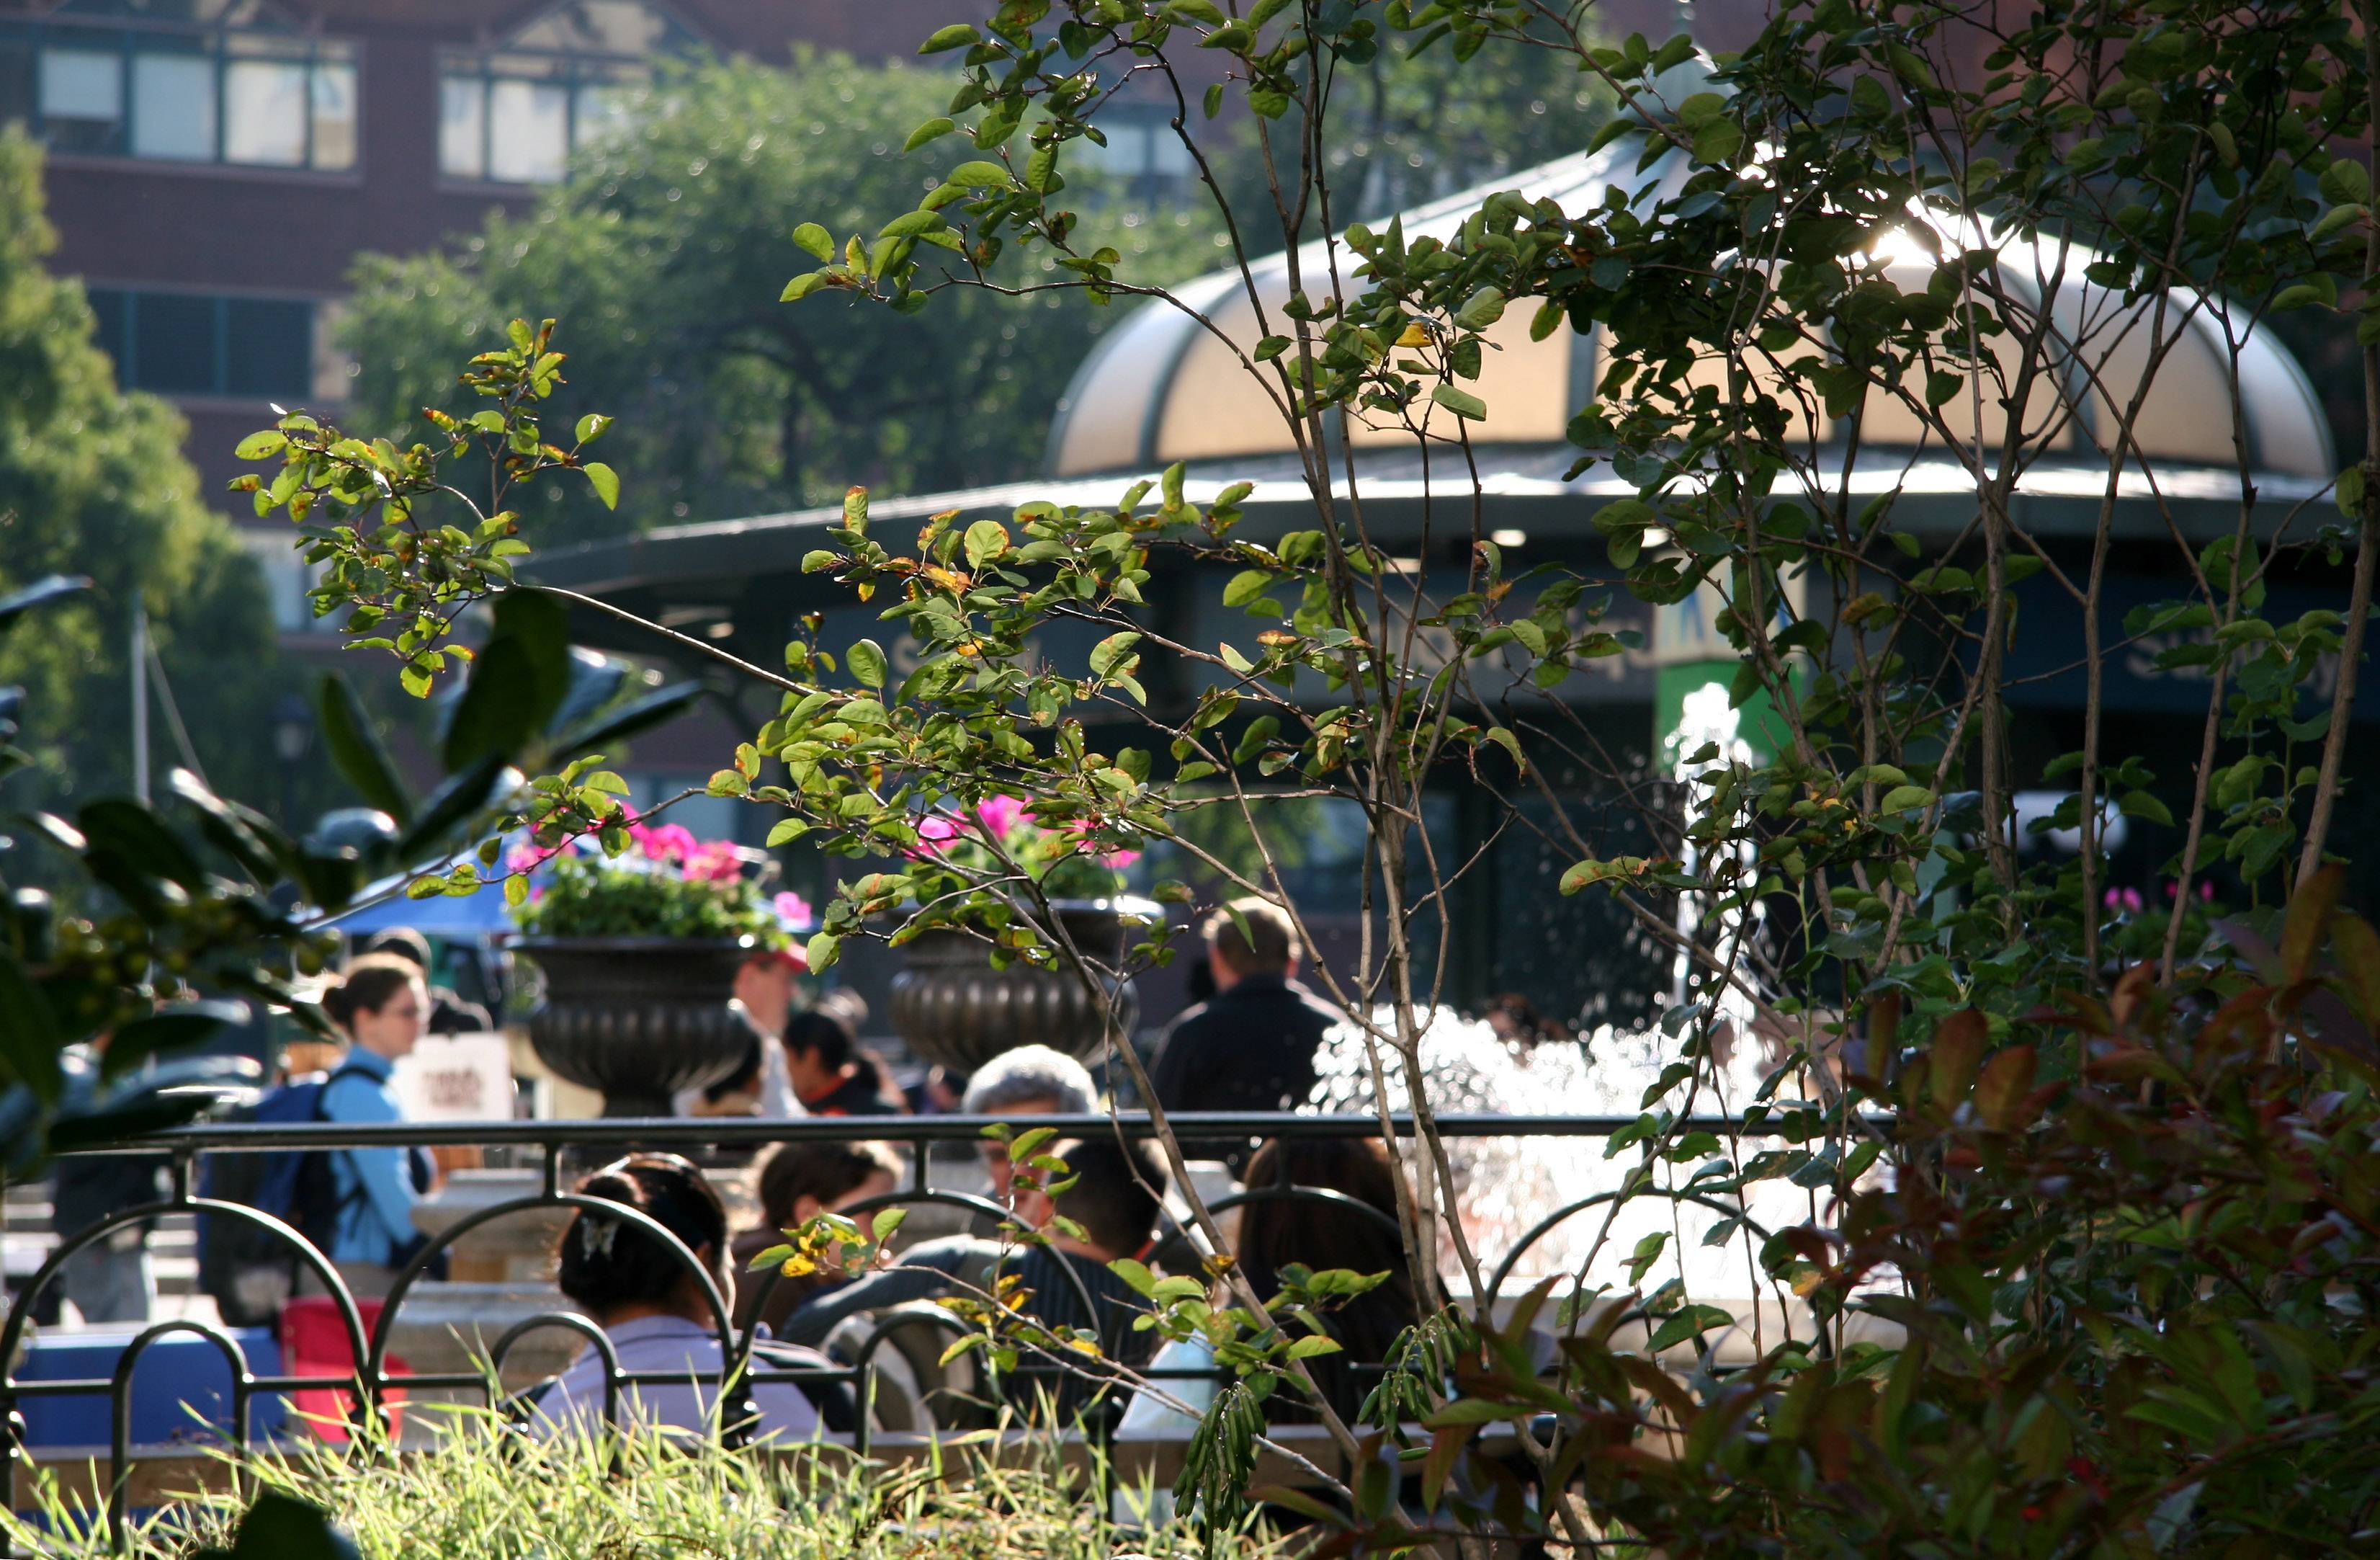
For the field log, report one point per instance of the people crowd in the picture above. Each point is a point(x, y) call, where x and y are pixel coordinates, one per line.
point(669, 1285)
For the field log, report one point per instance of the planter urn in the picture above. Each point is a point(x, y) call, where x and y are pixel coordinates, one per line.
point(638, 1019)
point(957, 1012)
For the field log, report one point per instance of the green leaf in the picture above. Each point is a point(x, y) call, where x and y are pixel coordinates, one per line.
point(624, 720)
point(1246, 586)
point(1503, 737)
point(2147, 806)
point(958, 35)
point(280, 1526)
point(1110, 651)
point(605, 482)
point(41, 592)
point(1307, 1348)
point(1474, 1411)
point(1485, 307)
point(803, 285)
point(1461, 403)
point(728, 783)
point(932, 129)
point(1692, 1322)
point(258, 446)
point(1717, 141)
point(980, 172)
point(1137, 1274)
point(499, 710)
point(865, 660)
point(593, 427)
point(356, 750)
point(1901, 799)
point(445, 808)
point(985, 540)
point(821, 951)
point(29, 1040)
point(787, 830)
point(1585, 874)
point(2350, 492)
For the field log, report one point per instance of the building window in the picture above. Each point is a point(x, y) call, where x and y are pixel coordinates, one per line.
point(196, 95)
point(195, 344)
point(288, 580)
point(515, 116)
point(1143, 153)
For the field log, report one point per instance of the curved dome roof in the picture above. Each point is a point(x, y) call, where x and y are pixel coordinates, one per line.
point(1159, 389)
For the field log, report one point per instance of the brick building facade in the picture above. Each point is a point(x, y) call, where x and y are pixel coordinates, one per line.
point(216, 166)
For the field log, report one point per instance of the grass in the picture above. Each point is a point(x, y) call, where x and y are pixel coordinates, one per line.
point(486, 1493)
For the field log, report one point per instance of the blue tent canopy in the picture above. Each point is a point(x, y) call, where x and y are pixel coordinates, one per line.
point(476, 915)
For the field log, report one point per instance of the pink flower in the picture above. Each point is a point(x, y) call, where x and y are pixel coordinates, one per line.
point(936, 834)
point(793, 911)
point(1119, 860)
point(999, 814)
point(664, 842)
point(714, 861)
point(530, 857)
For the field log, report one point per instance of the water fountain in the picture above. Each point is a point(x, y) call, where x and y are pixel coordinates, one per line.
point(1504, 1186)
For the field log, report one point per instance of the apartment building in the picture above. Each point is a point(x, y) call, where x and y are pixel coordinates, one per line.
point(215, 166)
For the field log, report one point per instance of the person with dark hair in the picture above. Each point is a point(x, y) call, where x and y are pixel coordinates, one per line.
point(1515, 1019)
point(797, 1182)
point(759, 1086)
point(1277, 1231)
point(1117, 1196)
point(1249, 1047)
point(380, 1005)
point(449, 1013)
point(646, 1296)
point(739, 1094)
point(113, 1280)
point(831, 1074)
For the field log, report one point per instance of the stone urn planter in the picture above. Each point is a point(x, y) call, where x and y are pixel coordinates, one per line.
point(957, 1012)
point(638, 1018)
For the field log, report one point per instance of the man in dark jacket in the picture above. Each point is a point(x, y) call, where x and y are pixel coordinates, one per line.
point(1114, 1201)
point(1249, 1047)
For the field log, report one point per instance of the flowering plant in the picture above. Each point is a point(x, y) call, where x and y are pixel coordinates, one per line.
point(665, 884)
point(1069, 861)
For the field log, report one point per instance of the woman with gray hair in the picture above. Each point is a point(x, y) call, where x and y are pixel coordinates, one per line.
point(1029, 1080)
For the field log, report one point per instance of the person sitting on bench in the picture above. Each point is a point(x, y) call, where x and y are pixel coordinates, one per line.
point(653, 1309)
point(1116, 1201)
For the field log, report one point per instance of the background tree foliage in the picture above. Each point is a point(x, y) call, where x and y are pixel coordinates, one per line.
point(1413, 125)
point(665, 253)
point(92, 481)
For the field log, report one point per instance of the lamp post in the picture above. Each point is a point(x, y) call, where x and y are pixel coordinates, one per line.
point(293, 734)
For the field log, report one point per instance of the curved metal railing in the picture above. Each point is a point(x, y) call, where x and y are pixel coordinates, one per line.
point(370, 1387)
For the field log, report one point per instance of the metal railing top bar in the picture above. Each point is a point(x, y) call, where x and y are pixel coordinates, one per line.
point(251, 1137)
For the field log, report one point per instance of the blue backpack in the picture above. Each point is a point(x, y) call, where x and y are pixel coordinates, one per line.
point(249, 1271)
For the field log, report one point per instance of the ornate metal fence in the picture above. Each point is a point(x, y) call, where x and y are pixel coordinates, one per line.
point(555, 1146)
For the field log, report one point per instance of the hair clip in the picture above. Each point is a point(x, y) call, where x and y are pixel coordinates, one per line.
point(596, 1235)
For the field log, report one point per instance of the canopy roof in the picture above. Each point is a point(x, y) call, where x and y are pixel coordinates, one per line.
point(1161, 388)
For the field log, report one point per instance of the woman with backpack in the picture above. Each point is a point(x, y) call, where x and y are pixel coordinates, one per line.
point(382, 1006)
